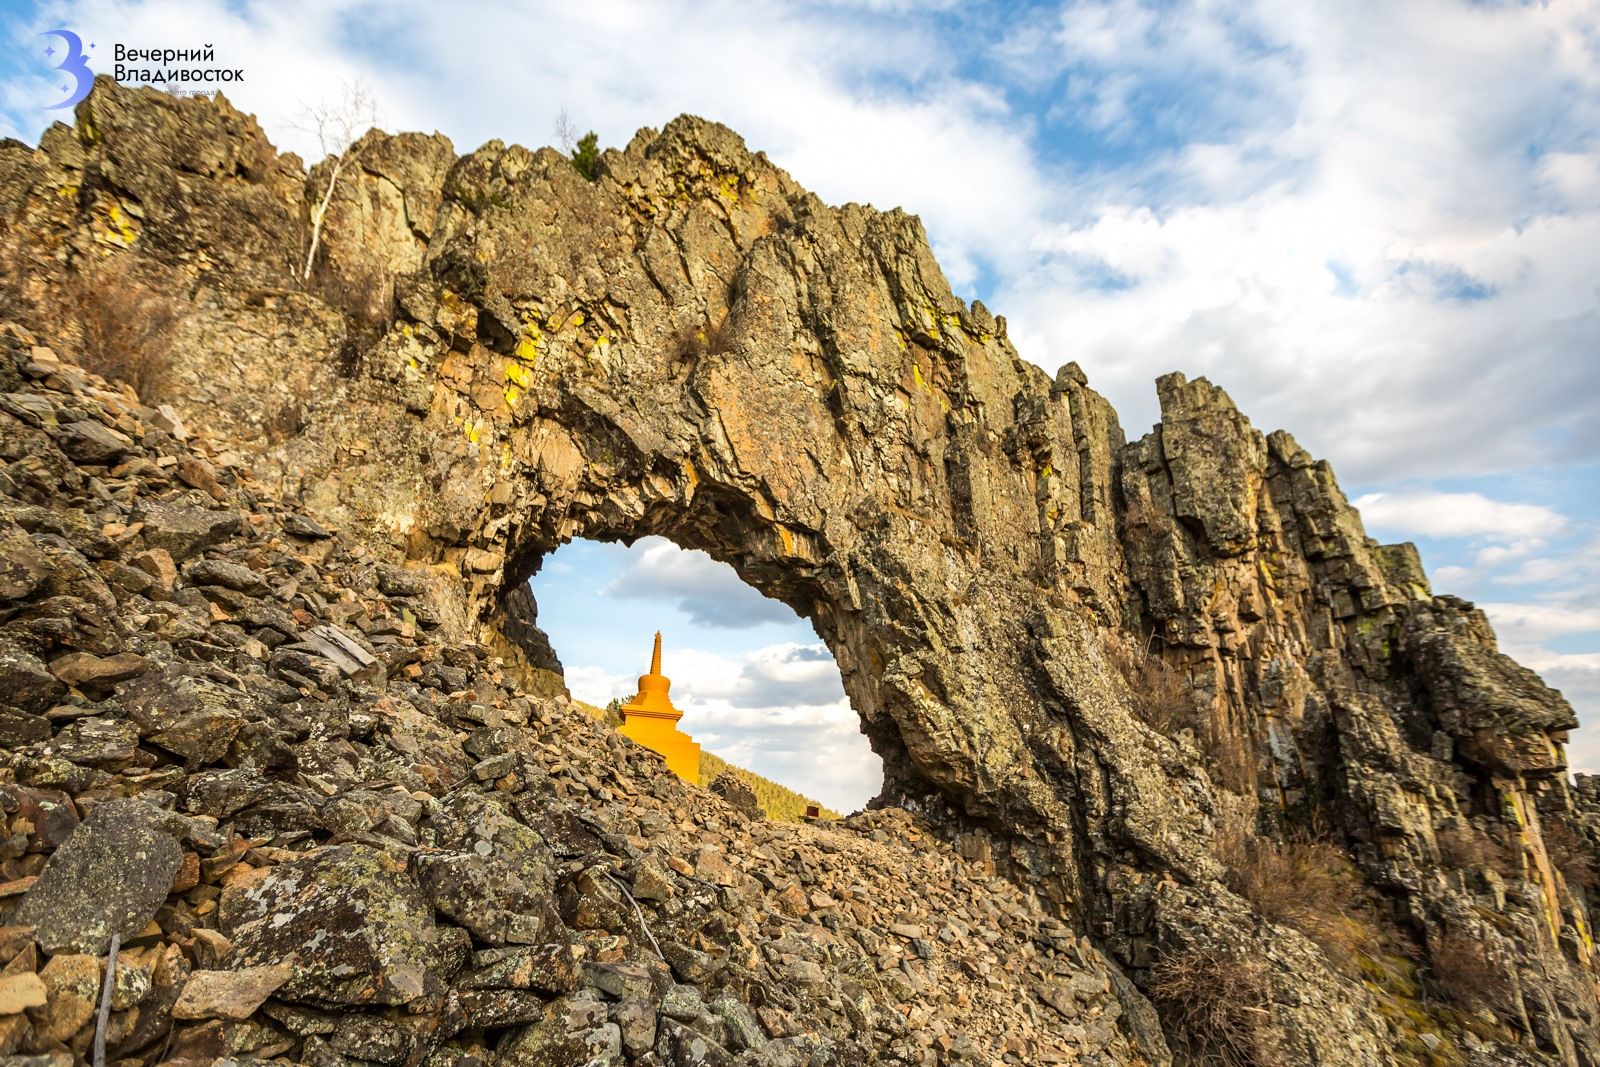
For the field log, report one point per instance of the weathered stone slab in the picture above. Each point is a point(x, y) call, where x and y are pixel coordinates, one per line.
point(108, 878)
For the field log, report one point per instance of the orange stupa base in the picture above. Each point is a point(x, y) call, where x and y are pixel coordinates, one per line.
point(650, 719)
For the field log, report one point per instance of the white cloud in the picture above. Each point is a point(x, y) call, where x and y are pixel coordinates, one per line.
point(1526, 625)
point(596, 686)
point(1372, 223)
point(778, 710)
point(1435, 514)
point(1537, 572)
point(1577, 676)
point(708, 592)
point(820, 753)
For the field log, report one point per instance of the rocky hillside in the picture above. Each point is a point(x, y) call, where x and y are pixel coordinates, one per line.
point(1180, 765)
point(238, 742)
point(771, 799)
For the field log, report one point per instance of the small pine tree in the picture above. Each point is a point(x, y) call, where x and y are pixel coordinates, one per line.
point(587, 156)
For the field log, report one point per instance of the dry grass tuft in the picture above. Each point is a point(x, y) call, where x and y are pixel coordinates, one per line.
point(690, 343)
point(1161, 694)
point(1304, 881)
point(287, 416)
point(1464, 973)
point(366, 296)
point(1230, 754)
point(1217, 1005)
point(1163, 699)
point(1466, 848)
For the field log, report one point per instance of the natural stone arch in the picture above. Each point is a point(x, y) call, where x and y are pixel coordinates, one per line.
point(561, 341)
point(714, 523)
point(696, 347)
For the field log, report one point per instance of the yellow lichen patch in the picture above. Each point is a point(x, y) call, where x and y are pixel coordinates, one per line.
point(728, 187)
point(555, 322)
point(690, 475)
point(67, 191)
point(459, 317)
point(788, 540)
point(922, 383)
point(119, 227)
point(513, 394)
point(518, 375)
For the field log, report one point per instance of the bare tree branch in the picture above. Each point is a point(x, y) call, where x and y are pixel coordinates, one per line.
point(104, 1014)
point(566, 133)
point(338, 125)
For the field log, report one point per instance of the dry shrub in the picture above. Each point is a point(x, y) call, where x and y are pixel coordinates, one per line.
point(1464, 973)
point(1163, 699)
point(1466, 848)
point(123, 327)
point(286, 417)
point(1159, 691)
point(691, 343)
point(1216, 1003)
point(1230, 754)
point(1304, 881)
point(365, 293)
point(1570, 853)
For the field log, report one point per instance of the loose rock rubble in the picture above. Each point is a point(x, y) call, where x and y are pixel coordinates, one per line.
point(233, 741)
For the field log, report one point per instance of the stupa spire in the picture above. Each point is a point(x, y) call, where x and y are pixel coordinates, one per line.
point(650, 719)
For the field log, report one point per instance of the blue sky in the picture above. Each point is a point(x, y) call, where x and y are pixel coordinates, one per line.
point(1375, 224)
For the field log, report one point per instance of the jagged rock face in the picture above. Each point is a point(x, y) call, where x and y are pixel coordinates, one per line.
point(380, 849)
point(696, 347)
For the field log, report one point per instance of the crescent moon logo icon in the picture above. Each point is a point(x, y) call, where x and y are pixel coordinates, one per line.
point(76, 64)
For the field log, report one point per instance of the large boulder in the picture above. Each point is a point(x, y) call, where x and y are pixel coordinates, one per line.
point(108, 878)
point(352, 922)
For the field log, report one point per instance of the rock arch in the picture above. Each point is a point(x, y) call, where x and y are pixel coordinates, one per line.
point(693, 345)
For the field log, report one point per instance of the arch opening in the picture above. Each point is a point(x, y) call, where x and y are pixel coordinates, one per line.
point(757, 687)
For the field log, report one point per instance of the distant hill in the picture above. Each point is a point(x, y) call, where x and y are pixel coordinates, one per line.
point(777, 801)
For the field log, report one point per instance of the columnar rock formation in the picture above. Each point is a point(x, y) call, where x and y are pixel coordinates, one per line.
point(694, 346)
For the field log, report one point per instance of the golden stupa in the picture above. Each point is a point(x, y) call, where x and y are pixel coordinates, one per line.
point(650, 719)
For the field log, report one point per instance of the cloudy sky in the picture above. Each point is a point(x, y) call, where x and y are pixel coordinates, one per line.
point(755, 685)
point(1376, 224)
